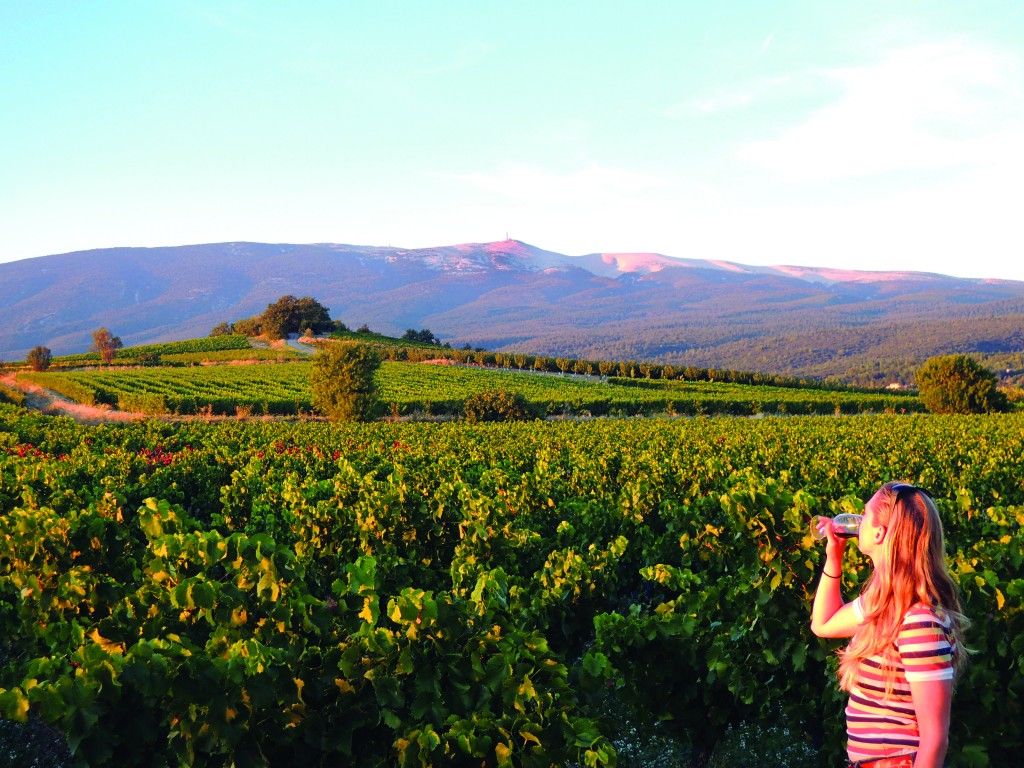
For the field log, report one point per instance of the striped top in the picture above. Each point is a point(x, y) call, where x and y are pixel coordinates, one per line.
point(878, 725)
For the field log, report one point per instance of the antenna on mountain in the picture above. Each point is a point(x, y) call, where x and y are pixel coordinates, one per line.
point(506, 236)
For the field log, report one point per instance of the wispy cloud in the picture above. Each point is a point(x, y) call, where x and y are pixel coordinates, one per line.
point(926, 107)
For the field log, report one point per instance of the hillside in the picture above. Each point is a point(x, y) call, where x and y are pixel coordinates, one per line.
point(868, 326)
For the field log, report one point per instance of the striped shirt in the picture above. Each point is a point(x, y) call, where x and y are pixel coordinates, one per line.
point(880, 725)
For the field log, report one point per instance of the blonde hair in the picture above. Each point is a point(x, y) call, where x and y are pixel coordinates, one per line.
point(914, 571)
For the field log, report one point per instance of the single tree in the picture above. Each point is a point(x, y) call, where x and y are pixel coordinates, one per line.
point(39, 358)
point(342, 381)
point(958, 384)
point(105, 344)
point(222, 329)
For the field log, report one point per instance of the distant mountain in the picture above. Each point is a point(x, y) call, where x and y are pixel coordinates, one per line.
point(509, 294)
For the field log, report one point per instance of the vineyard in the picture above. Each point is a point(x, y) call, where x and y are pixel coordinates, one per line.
point(270, 593)
point(437, 390)
point(213, 349)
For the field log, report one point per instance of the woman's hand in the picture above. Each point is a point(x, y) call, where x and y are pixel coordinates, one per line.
point(835, 545)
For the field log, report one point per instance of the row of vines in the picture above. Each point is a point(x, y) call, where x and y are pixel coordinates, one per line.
point(451, 594)
point(411, 388)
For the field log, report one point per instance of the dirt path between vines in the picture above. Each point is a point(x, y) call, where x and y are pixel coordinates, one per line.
point(39, 398)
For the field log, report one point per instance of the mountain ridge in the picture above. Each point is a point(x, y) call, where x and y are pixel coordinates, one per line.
point(500, 294)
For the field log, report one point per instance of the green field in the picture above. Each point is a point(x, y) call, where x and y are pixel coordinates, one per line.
point(292, 594)
point(212, 349)
point(440, 390)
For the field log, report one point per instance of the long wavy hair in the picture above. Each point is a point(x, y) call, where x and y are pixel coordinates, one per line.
point(913, 571)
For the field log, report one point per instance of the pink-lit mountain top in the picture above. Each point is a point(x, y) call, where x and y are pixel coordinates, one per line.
point(514, 254)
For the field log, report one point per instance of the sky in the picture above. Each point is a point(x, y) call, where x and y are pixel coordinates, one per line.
point(868, 135)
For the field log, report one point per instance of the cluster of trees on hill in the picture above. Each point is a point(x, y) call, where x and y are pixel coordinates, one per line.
point(286, 315)
point(423, 336)
point(305, 315)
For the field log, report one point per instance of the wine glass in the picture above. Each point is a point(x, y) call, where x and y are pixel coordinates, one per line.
point(846, 525)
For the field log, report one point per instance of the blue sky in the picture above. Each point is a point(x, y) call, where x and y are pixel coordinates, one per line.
point(871, 135)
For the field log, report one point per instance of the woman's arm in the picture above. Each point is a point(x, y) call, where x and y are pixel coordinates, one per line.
point(830, 616)
point(932, 700)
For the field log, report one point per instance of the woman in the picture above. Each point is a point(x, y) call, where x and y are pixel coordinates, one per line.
point(907, 631)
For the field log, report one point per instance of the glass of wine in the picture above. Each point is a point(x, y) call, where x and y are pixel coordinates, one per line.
point(846, 525)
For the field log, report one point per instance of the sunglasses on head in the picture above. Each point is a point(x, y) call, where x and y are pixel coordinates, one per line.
point(899, 488)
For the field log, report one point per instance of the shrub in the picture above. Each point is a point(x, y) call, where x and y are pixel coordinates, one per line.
point(39, 358)
point(342, 381)
point(496, 405)
point(958, 384)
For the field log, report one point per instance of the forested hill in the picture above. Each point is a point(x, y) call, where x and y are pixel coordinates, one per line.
point(510, 295)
